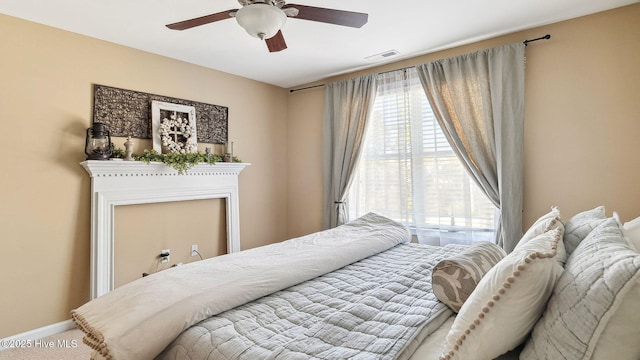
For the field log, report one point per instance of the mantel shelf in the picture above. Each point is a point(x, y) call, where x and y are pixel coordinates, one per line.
point(98, 168)
point(115, 183)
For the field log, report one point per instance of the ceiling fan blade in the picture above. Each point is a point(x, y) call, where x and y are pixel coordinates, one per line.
point(331, 16)
point(188, 24)
point(276, 42)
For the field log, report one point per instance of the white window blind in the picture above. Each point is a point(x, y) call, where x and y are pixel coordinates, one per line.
point(408, 171)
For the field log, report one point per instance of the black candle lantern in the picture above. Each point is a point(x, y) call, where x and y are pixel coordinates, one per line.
point(98, 143)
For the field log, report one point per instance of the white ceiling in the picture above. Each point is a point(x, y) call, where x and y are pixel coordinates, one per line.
point(315, 50)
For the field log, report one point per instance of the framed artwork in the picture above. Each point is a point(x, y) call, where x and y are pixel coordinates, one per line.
point(173, 128)
point(128, 113)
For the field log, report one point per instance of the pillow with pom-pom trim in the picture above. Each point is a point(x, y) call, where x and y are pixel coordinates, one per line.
point(508, 301)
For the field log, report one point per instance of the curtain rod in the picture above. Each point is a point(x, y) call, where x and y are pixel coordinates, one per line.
point(546, 37)
point(319, 85)
point(308, 87)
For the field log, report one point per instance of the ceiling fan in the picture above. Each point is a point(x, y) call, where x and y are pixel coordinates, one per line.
point(263, 19)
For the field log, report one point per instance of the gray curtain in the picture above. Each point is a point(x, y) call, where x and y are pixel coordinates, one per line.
point(478, 100)
point(348, 105)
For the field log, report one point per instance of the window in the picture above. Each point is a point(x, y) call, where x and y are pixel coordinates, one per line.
point(408, 171)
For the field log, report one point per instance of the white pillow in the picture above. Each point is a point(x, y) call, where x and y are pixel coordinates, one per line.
point(580, 225)
point(508, 301)
point(619, 339)
point(600, 277)
point(546, 222)
point(632, 232)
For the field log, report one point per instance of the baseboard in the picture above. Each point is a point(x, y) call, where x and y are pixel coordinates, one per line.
point(36, 334)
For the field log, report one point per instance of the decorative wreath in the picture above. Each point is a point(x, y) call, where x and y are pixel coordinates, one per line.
point(174, 128)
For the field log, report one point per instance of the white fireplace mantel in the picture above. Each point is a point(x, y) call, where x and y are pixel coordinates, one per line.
point(115, 183)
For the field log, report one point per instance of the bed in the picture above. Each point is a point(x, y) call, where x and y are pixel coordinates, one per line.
point(364, 291)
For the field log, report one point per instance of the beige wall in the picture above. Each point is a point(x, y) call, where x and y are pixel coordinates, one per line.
point(141, 232)
point(582, 120)
point(305, 161)
point(46, 78)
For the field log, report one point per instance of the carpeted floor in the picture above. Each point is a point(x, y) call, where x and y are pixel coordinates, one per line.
point(64, 346)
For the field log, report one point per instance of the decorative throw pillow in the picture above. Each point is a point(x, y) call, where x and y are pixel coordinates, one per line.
point(546, 222)
point(580, 225)
point(507, 302)
point(454, 279)
point(632, 232)
point(619, 339)
point(597, 278)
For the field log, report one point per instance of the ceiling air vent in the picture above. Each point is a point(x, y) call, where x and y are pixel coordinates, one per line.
point(382, 56)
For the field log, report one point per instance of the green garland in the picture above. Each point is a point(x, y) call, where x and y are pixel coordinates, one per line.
point(180, 162)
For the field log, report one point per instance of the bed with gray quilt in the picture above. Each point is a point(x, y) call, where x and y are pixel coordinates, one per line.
point(364, 291)
point(358, 291)
point(380, 307)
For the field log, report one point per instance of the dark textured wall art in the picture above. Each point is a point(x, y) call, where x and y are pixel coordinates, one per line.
point(128, 113)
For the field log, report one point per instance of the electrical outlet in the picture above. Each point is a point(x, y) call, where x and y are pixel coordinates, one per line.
point(165, 256)
point(194, 250)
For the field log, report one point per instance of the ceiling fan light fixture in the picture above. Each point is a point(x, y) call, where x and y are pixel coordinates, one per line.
point(261, 20)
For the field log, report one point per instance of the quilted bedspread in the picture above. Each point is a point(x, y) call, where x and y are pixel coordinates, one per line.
point(138, 320)
point(371, 309)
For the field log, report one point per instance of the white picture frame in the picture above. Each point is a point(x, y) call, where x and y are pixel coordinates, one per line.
point(161, 112)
